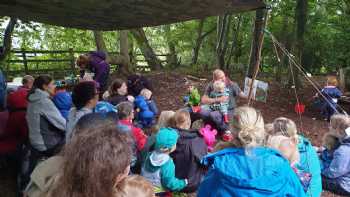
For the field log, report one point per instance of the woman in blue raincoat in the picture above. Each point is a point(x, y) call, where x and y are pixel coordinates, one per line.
point(247, 168)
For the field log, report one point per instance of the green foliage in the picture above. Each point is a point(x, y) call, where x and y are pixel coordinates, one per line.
point(326, 46)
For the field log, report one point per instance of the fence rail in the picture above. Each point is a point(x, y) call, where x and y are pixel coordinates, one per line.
point(31, 62)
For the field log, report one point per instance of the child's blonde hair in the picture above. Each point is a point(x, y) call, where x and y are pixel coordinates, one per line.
point(182, 118)
point(249, 124)
point(146, 93)
point(134, 186)
point(219, 86)
point(165, 119)
point(332, 81)
point(198, 124)
point(286, 146)
point(339, 123)
point(330, 141)
point(285, 126)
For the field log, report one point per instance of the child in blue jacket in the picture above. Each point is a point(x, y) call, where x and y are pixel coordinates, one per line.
point(330, 144)
point(329, 97)
point(159, 168)
point(336, 176)
point(147, 109)
point(309, 161)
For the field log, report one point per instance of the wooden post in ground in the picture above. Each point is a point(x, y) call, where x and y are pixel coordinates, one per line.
point(72, 60)
point(255, 54)
point(25, 63)
point(342, 79)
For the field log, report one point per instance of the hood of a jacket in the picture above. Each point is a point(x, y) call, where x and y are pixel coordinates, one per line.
point(254, 169)
point(38, 95)
point(185, 135)
point(63, 101)
point(155, 160)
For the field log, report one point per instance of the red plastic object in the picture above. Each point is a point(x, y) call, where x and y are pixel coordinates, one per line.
point(299, 108)
point(196, 109)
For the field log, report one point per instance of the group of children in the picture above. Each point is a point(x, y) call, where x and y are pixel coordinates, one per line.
point(170, 156)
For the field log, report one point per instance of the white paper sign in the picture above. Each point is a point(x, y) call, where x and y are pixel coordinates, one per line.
point(260, 88)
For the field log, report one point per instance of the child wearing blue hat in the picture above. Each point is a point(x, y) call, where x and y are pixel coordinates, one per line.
point(159, 167)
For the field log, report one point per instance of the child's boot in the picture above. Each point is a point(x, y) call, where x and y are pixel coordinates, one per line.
point(196, 109)
point(227, 137)
point(226, 120)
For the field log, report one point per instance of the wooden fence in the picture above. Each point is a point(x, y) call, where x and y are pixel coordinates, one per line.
point(58, 63)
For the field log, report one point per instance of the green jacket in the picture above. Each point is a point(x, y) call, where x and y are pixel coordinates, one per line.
point(159, 169)
point(195, 98)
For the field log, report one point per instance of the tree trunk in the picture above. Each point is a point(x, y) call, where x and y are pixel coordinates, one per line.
point(117, 59)
point(258, 38)
point(7, 41)
point(221, 45)
point(286, 41)
point(236, 30)
point(172, 59)
point(100, 43)
point(146, 49)
point(198, 42)
point(300, 22)
point(124, 50)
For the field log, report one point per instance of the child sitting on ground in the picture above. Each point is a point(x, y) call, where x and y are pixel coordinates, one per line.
point(289, 149)
point(147, 109)
point(159, 167)
point(125, 124)
point(190, 149)
point(220, 90)
point(329, 98)
point(165, 120)
point(62, 99)
point(330, 144)
point(134, 186)
point(193, 98)
point(208, 133)
point(336, 176)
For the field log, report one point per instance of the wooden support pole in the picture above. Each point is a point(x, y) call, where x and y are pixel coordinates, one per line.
point(255, 54)
point(342, 79)
point(25, 63)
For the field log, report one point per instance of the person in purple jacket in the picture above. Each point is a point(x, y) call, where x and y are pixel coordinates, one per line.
point(95, 62)
point(336, 175)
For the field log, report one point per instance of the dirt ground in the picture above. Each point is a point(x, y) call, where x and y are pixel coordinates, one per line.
point(168, 93)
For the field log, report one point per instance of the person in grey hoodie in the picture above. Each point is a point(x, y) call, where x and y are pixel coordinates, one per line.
point(46, 125)
point(45, 122)
point(85, 97)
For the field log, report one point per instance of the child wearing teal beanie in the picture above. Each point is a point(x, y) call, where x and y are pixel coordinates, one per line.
point(159, 167)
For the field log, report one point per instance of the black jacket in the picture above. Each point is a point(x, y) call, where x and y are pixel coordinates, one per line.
point(190, 149)
point(116, 99)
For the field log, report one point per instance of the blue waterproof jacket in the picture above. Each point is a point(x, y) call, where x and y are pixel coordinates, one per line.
point(338, 170)
point(63, 102)
point(249, 172)
point(310, 163)
point(148, 111)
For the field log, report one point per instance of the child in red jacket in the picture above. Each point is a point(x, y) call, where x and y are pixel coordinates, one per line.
point(126, 116)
